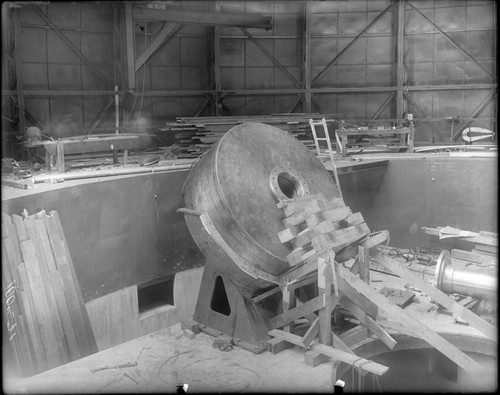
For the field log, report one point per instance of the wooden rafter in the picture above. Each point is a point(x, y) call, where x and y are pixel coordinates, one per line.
point(258, 21)
point(70, 45)
point(453, 42)
point(351, 44)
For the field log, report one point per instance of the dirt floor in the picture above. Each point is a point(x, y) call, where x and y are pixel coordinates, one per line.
point(161, 361)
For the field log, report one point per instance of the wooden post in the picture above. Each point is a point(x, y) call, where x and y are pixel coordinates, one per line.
point(130, 45)
point(364, 264)
point(60, 156)
point(325, 277)
point(400, 21)
point(288, 303)
point(307, 56)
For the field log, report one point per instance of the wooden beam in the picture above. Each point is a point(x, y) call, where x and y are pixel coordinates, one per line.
point(270, 57)
point(166, 33)
point(18, 71)
point(306, 42)
point(455, 44)
point(400, 26)
point(344, 356)
point(427, 334)
point(71, 45)
point(473, 238)
point(351, 44)
point(465, 314)
point(258, 21)
point(130, 45)
point(370, 323)
point(476, 113)
point(422, 115)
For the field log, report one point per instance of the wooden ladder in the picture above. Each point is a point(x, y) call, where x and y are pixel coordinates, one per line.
point(329, 144)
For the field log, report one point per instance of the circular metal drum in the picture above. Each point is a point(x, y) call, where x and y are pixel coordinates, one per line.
point(239, 183)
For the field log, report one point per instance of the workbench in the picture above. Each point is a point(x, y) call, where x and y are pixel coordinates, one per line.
point(87, 144)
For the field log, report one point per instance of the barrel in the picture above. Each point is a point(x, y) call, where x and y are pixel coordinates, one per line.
point(239, 183)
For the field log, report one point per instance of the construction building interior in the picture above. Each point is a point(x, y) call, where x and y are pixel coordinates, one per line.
point(249, 196)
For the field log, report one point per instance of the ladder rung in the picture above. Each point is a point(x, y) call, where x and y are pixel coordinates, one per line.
point(322, 139)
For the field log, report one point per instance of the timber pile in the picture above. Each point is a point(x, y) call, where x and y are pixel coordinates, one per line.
point(485, 243)
point(45, 316)
point(323, 233)
point(196, 135)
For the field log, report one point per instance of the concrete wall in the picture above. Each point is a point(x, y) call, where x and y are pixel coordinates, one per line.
point(126, 231)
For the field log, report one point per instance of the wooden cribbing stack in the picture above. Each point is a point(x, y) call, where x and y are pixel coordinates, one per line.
point(323, 234)
point(45, 315)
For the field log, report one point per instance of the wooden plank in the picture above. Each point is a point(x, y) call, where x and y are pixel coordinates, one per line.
point(44, 241)
point(186, 289)
point(41, 306)
point(299, 255)
point(115, 317)
point(472, 257)
point(266, 294)
point(371, 324)
point(296, 272)
point(69, 289)
point(364, 264)
point(328, 216)
point(298, 217)
point(465, 314)
point(158, 318)
point(20, 230)
point(486, 248)
point(361, 301)
point(340, 237)
point(30, 318)
point(57, 227)
point(258, 21)
point(291, 206)
point(370, 242)
point(311, 333)
point(492, 254)
point(277, 344)
point(49, 291)
point(287, 336)
point(325, 294)
point(300, 311)
point(351, 359)
point(431, 337)
point(476, 238)
point(64, 313)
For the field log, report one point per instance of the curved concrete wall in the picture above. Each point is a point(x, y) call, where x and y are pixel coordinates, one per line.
point(124, 231)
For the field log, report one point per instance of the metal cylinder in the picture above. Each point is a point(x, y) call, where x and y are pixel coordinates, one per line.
point(239, 183)
point(454, 280)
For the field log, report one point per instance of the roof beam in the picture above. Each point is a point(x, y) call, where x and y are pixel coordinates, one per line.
point(167, 33)
point(258, 21)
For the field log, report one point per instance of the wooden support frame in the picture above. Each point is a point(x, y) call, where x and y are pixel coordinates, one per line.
point(166, 33)
point(130, 46)
point(351, 44)
point(422, 115)
point(479, 109)
point(381, 108)
point(400, 71)
point(257, 21)
point(434, 339)
point(270, 56)
point(71, 46)
point(19, 76)
point(477, 322)
point(307, 56)
point(453, 42)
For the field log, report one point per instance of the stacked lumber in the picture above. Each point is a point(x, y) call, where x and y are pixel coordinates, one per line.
point(323, 226)
point(197, 135)
point(484, 252)
point(314, 223)
point(46, 318)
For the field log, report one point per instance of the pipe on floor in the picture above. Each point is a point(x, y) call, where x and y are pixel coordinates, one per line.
point(454, 280)
point(107, 173)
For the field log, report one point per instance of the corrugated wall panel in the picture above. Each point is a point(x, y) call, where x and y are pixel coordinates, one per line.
point(184, 63)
